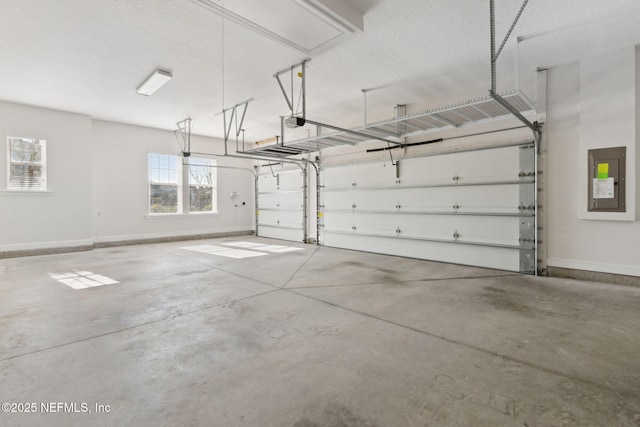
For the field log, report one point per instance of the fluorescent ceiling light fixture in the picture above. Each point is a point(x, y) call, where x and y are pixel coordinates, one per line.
point(154, 82)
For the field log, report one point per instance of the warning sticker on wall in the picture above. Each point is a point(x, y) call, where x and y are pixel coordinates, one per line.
point(603, 188)
point(603, 171)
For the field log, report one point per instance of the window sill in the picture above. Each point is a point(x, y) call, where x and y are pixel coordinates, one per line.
point(26, 192)
point(169, 216)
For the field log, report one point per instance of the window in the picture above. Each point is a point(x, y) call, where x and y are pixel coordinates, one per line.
point(178, 185)
point(164, 184)
point(201, 185)
point(26, 164)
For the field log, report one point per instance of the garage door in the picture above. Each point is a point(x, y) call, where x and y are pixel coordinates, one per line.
point(281, 204)
point(473, 208)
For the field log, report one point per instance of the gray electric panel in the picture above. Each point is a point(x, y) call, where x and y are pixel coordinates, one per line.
point(607, 180)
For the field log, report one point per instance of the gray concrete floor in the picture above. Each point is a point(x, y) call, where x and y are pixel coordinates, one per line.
point(316, 337)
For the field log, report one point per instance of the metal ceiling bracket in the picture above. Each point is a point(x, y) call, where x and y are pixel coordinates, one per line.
point(228, 124)
point(500, 100)
point(513, 25)
point(494, 54)
point(303, 87)
point(535, 127)
point(183, 134)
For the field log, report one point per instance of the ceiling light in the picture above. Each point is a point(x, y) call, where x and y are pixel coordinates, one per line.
point(154, 82)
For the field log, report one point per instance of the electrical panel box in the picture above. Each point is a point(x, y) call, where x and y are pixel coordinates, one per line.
point(607, 187)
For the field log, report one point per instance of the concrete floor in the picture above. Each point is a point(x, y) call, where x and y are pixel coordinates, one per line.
point(315, 337)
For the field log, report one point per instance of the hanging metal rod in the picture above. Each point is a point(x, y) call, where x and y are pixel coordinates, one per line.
point(513, 25)
point(535, 127)
point(228, 123)
point(223, 167)
point(492, 24)
point(183, 134)
point(298, 163)
point(302, 89)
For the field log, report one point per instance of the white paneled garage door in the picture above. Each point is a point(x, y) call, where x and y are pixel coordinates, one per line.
point(474, 208)
point(281, 205)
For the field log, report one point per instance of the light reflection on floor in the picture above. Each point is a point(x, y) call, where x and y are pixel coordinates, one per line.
point(82, 279)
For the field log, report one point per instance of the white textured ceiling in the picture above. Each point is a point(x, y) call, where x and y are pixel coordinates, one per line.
point(88, 56)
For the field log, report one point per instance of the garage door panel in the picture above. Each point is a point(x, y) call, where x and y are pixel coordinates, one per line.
point(497, 199)
point(283, 218)
point(281, 199)
point(501, 164)
point(489, 257)
point(488, 230)
point(280, 205)
point(294, 235)
point(267, 183)
point(360, 175)
point(472, 201)
point(291, 180)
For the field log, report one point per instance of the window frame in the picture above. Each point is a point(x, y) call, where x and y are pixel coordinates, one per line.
point(177, 184)
point(206, 163)
point(43, 187)
point(183, 185)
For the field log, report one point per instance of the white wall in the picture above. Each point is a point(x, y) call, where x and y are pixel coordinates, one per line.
point(121, 193)
point(98, 184)
point(608, 119)
point(97, 173)
point(584, 100)
point(61, 216)
point(591, 103)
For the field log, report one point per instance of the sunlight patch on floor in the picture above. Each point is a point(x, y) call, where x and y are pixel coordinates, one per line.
point(225, 252)
point(82, 279)
point(264, 247)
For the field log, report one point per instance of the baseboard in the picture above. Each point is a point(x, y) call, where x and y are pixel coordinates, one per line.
point(32, 250)
point(600, 267)
point(164, 239)
point(594, 276)
point(18, 253)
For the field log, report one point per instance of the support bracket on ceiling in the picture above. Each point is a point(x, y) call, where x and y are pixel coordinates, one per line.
point(234, 115)
point(299, 118)
point(183, 134)
point(535, 127)
point(303, 88)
